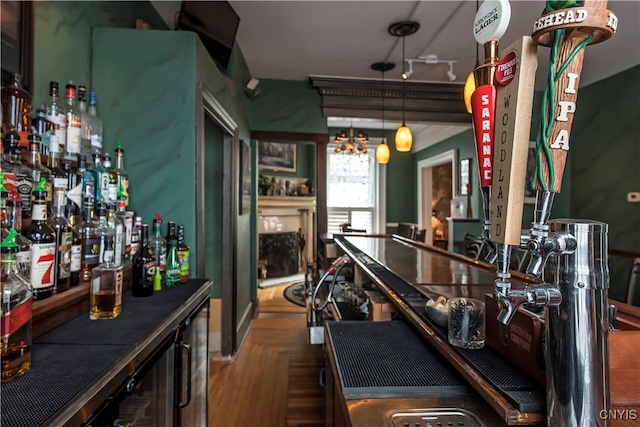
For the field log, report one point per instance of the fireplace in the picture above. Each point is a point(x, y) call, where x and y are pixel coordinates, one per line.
point(281, 222)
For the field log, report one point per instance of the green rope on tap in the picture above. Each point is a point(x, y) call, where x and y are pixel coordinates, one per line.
point(548, 114)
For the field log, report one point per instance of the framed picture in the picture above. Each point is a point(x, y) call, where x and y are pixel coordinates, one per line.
point(17, 41)
point(245, 178)
point(465, 177)
point(529, 192)
point(278, 156)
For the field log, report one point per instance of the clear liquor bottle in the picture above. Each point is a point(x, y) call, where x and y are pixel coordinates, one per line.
point(43, 245)
point(112, 192)
point(14, 220)
point(144, 267)
point(106, 286)
point(56, 114)
point(85, 125)
point(159, 247)
point(117, 226)
point(121, 174)
point(88, 231)
point(96, 125)
point(64, 241)
point(136, 237)
point(183, 255)
point(18, 173)
point(75, 264)
point(38, 170)
point(173, 263)
point(16, 312)
point(43, 128)
point(74, 125)
point(127, 221)
point(101, 179)
point(103, 227)
point(60, 176)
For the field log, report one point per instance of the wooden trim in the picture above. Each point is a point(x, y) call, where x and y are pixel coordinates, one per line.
point(321, 189)
point(266, 135)
point(59, 309)
point(26, 43)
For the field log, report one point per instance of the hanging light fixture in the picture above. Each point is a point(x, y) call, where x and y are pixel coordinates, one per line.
point(383, 152)
point(470, 83)
point(350, 144)
point(404, 138)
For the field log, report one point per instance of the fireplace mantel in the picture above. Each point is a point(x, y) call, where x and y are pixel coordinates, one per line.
point(278, 214)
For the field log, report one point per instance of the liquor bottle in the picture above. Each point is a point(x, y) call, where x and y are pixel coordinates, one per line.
point(112, 192)
point(85, 126)
point(159, 247)
point(57, 115)
point(86, 186)
point(15, 308)
point(38, 170)
point(103, 227)
point(64, 240)
point(74, 124)
point(96, 125)
point(43, 245)
point(173, 263)
point(127, 221)
point(121, 173)
point(144, 267)
point(16, 109)
point(183, 255)
point(136, 236)
point(43, 128)
point(117, 226)
point(106, 286)
point(88, 231)
point(14, 220)
point(60, 176)
point(101, 179)
point(19, 173)
point(4, 196)
point(75, 264)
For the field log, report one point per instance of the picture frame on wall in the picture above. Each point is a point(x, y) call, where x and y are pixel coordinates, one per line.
point(245, 178)
point(278, 156)
point(465, 177)
point(529, 192)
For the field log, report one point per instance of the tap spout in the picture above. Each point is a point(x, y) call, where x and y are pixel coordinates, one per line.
point(544, 295)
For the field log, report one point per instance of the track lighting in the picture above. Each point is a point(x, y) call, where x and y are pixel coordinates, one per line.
point(450, 74)
point(430, 60)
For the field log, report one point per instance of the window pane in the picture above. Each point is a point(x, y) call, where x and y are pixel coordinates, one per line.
point(350, 182)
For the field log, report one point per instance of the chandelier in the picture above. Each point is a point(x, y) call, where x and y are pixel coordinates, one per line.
point(348, 144)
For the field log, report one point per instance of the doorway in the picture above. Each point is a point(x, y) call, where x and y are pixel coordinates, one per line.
point(437, 182)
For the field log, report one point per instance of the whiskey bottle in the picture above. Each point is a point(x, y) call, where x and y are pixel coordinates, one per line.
point(135, 237)
point(96, 125)
point(76, 246)
point(38, 170)
point(144, 267)
point(16, 109)
point(88, 231)
point(60, 176)
point(85, 125)
point(159, 247)
point(15, 312)
point(74, 124)
point(56, 114)
point(43, 245)
point(19, 173)
point(122, 175)
point(183, 255)
point(14, 220)
point(64, 240)
point(173, 262)
point(106, 286)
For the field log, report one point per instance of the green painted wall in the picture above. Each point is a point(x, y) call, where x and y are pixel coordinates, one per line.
point(305, 162)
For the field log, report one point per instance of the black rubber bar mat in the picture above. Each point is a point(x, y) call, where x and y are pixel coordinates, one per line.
point(388, 359)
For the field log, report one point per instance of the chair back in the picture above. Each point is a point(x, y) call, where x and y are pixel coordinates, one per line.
point(405, 230)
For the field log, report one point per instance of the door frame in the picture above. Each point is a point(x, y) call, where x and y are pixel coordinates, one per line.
point(425, 186)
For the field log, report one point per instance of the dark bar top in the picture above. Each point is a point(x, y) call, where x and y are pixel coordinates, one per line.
point(70, 363)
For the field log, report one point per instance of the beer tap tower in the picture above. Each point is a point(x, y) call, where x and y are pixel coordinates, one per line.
point(572, 253)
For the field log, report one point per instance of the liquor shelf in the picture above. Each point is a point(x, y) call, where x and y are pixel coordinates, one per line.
point(78, 365)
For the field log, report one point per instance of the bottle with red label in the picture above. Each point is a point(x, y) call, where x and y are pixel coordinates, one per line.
point(144, 267)
point(15, 313)
point(43, 245)
point(14, 220)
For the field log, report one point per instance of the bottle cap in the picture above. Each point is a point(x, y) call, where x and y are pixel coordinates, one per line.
point(40, 186)
point(11, 139)
point(92, 99)
point(119, 148)
point(9, 244)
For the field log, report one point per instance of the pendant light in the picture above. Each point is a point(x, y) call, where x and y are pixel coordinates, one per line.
point(404, 138)
point(383, 152)
point(470, 83)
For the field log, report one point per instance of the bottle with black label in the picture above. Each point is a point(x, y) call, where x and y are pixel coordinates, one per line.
point(64, 241)
point(144, 266)
point(76, 246)
point(88, 231)
point(17, 175)
point(38, 170)
point(43, 245)
point(183, 256)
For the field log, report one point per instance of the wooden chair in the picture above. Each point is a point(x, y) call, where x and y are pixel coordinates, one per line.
point(419, 235)
point(473, 246)
point(346, 228)
point(405, 230)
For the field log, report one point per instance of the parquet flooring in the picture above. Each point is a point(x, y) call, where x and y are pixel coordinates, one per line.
point(275, 380)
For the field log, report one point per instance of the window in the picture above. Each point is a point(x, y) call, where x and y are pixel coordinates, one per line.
point(353, 191)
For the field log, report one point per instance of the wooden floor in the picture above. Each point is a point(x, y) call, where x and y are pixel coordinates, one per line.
point(275, 379)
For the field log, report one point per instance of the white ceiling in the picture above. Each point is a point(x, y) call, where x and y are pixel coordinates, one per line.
point(293, 40)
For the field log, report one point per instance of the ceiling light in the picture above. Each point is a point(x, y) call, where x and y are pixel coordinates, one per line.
point(350, 144)
point(382, 151)
point(404, 138)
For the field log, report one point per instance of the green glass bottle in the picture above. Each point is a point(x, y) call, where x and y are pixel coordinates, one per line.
point(172, 267)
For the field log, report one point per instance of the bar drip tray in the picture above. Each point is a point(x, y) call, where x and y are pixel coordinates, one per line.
point(433, 418)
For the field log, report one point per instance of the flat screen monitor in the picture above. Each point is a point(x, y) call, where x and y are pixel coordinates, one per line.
point(215, 22)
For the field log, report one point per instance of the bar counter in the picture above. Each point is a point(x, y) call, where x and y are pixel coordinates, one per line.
point(409, 274)
point(77, 365)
